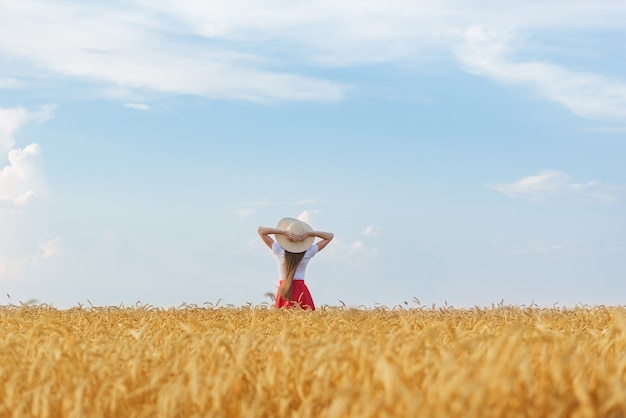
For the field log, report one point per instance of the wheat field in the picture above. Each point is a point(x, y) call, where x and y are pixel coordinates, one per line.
point(257, 361)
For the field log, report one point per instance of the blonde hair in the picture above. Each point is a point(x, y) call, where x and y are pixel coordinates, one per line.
point(292, 260)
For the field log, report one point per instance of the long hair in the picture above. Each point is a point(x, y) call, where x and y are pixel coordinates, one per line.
point(291, 264)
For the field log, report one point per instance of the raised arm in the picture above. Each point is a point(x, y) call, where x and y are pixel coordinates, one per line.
point(265, 232)
point(326, 237)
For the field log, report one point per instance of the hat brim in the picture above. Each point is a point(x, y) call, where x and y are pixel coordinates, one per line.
point(296, 226)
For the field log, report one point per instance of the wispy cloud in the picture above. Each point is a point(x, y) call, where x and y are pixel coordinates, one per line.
point(552, 185)
point(132, 48)
point(364, 32)
point(305, 216)
point(589, 95)
point(137, 106)
point(239, 50)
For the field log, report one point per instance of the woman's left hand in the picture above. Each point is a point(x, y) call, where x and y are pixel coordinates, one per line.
point(292, 237)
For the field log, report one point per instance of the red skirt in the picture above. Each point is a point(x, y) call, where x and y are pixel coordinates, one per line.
point(300, 297)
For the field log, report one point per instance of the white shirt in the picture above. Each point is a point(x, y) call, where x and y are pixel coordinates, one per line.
point(279, 252)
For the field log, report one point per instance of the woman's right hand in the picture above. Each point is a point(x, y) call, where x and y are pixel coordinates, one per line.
point(292, 237)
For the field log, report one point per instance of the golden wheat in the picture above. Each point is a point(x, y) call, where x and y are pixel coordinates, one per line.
point(334, 362)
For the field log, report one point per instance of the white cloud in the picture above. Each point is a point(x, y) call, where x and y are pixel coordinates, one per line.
point(131, 48)
point(356, 247)
point(22, 182)
point(51, 248)
point(22, 179)
point(305, 216)
point(372, 230)
point(254, 50)
point(350, 32)
point(488, 53)
point(552, 185)
point(137, 106)
point(12, 119)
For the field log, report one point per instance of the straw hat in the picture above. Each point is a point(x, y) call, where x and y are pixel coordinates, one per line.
point(297, 227)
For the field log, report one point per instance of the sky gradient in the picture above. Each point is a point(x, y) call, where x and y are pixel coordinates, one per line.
point(466, 154)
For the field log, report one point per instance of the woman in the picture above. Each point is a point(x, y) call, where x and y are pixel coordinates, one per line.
point(294, 249)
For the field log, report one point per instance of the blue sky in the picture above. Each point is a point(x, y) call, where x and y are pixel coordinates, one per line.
point(462, 154)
